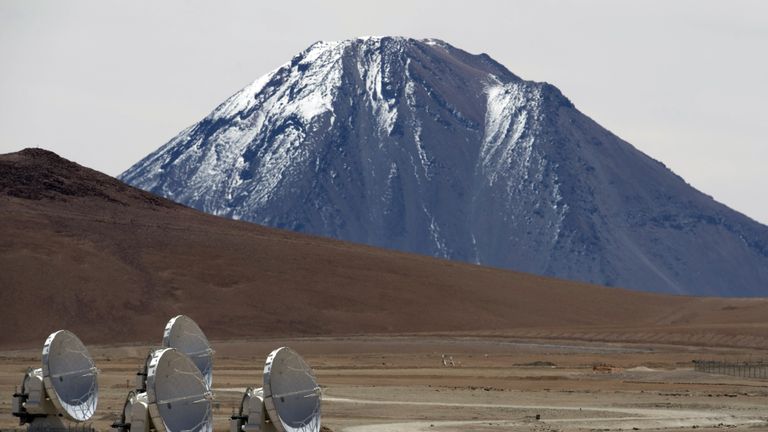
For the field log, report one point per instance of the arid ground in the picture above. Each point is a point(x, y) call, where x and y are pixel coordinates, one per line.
point(399, 383)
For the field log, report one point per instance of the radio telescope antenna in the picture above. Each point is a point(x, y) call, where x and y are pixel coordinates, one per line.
point(177, 398)
point(65, 387)
point(173, 385)
point(185, 335)
point(289, 400)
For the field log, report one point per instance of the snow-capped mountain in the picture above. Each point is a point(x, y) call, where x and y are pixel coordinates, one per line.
point(419, 146)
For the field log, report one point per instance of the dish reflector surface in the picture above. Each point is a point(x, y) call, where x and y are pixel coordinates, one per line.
point(291, 393)
point(69, 376)
point(183, 333)
point(178, 396)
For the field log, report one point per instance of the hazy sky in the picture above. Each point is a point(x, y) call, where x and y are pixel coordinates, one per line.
point(106, 82)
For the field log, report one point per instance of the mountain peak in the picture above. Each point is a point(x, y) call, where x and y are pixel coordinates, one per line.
point(420, 146)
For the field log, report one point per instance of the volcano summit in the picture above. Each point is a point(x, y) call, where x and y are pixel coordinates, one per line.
point(419, 146)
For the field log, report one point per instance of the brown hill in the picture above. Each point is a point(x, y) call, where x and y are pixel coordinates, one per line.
point(83, 251)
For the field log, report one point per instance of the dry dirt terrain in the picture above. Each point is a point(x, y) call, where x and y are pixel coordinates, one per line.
point(398, 383)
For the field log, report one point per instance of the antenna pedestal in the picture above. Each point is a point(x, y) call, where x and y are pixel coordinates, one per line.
point(31, 404)
point(253, 414)
point(135, 417)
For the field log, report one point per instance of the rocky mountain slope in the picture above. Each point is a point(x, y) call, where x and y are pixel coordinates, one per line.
point(418, 146)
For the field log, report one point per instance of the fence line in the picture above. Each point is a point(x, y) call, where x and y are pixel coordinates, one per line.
point(738, 369)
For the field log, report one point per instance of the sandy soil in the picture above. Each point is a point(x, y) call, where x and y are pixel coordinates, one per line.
point(398, 383)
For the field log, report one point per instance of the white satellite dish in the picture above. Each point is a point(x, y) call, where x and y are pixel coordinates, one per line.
point(185, 335)
point(288, 402)
point(65, 387)
point(177, 397)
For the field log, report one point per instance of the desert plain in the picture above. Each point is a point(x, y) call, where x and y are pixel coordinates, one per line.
point(399, 383)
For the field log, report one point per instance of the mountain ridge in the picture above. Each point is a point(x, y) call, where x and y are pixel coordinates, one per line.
point(422, 147)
